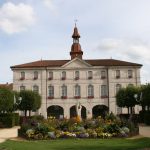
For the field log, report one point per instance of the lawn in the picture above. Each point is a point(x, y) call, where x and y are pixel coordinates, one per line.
point(78, 144)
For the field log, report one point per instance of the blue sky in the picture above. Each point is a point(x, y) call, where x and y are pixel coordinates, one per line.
point(35, 29)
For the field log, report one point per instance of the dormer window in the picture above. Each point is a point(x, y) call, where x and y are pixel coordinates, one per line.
point(103, 74)
point(35, 75)
point(63, 75)
point(90, 75)
point(77, 75)
point(22, 75)
point(117, 74)
point(50, 76)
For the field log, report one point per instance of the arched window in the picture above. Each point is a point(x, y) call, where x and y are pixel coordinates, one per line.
point(36, 88)
point(64, 91)
point(63, 75)
point(51, 92)
point(77, 75)
point(90, 91)
point(77, 91)
point(22, 88)
point(22, 75)
point(118, 87)
point(35, 75)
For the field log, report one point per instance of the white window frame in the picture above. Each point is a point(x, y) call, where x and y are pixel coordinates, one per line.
point(77, 90)
point(90, 90)
point(64, 91)
point(51, 91)
point(104, 90)
point(36, 88)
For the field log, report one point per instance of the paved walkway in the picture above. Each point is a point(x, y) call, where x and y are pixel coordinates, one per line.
point(144, 131)
point(8, 133)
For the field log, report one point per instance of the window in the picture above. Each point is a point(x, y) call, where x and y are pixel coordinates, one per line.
point(76, 75)
point(119, 110)
point(36, 88)
point(64, 92)
point(103, 74)
point(50, 75)
point(90, 91)
point(50, 92)
point(22, 75)
point(104, 91)
point(130, 74)
point(22, 88)
point(35, 75)
point(118, 87)
point(63, 75)
point(77, 91)
point(90, 74)
point(117, 74)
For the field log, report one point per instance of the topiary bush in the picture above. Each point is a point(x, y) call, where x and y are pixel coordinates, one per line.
point(147, 117)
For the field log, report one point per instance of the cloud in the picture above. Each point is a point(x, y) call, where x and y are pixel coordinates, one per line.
point(16, 18)
point(131, 49)
point(49, 4)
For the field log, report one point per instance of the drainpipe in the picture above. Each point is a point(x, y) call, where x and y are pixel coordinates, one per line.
point(108, 87)
point(46, 91)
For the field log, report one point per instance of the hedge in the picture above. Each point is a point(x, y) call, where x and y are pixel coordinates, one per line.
point(9, 120)
point(147, 117)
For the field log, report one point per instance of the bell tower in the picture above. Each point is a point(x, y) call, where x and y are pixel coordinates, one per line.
point(76, 47)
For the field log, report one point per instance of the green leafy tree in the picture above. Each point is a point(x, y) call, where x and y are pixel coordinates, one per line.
point(126, 97)
point(6, 100)
point(121, 97)
point(145, 98)
point(31, 101)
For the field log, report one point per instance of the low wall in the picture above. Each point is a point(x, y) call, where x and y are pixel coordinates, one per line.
point(144, 131)
point(9, 133)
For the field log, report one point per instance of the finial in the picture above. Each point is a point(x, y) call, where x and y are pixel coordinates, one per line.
point(75, 22)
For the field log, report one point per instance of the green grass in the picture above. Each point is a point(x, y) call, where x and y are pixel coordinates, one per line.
point(78, 144)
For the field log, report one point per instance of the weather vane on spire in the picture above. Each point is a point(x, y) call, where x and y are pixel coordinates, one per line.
point(75, 22)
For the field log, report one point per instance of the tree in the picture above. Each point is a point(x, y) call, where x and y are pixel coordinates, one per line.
point(120, 97)
point(31, 101)
point(125, 97)
point(6, 100)
point(145, 98)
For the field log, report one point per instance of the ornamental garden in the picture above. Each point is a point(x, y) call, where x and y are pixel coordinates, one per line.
point(108, 126)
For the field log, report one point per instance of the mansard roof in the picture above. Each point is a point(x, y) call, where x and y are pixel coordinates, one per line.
point(92, 62)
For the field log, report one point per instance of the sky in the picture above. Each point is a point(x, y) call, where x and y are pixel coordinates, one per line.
point(32, 30)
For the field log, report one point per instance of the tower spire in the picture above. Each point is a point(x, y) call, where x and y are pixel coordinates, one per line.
point(76, 47)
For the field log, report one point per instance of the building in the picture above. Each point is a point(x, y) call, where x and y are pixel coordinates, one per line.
point(68, 87)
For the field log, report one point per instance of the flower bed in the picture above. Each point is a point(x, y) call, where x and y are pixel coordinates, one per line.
point(52, 128)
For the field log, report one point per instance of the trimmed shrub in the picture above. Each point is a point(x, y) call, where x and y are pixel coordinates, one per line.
point(147, 117)
point(17, 119)
point(8, 120)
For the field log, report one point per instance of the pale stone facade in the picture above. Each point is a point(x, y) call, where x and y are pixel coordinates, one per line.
point(111, 77)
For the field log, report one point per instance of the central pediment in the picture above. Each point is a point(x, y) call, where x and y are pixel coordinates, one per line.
point(76, 63)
